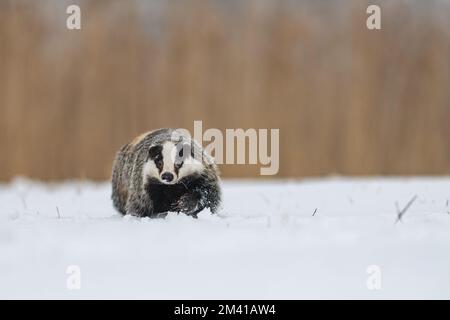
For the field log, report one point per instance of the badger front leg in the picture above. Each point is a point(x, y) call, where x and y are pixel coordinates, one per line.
point(203, 193)
point(190, 203)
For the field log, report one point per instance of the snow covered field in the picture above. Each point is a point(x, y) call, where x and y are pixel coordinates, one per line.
point(272, 240)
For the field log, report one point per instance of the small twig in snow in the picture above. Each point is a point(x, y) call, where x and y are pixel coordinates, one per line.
point(403, 211)
point(57, 211)
point(314, 213)
point(265, 198)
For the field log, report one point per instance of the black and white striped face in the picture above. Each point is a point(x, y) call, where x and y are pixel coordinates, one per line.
point(170, 162)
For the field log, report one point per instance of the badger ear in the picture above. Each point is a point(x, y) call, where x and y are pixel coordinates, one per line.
point(154, 151)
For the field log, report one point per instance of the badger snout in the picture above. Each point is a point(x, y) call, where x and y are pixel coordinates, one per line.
point(167, 177)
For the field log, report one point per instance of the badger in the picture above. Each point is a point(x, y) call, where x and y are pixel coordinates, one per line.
point(164, 171)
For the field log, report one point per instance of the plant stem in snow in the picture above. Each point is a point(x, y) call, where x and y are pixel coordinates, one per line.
point(403, 211)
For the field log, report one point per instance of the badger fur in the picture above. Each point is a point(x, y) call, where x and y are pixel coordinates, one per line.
point(161, 171)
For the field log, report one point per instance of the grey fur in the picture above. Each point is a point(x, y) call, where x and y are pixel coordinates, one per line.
point(133, 194)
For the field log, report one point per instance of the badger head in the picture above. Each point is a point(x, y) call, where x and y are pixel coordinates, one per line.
point(170, 161)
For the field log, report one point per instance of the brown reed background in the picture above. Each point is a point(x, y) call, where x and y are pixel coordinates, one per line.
point(347, 100)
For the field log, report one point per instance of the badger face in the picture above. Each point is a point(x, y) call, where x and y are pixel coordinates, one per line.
point(169, 162)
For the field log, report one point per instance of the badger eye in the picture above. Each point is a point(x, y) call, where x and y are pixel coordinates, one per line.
point(180, 153)
point(158, 163)
point(178, 165)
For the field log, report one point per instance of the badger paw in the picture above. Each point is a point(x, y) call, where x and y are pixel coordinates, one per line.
point(189, 204)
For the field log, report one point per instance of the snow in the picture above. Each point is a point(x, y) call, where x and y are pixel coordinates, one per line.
point(267, 242)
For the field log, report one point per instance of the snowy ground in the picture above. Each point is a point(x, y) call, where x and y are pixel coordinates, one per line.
point(265, 244)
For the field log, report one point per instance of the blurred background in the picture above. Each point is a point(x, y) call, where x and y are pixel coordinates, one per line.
point(347, 100)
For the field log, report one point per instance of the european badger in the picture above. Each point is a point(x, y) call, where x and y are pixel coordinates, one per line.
point(161, 171)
